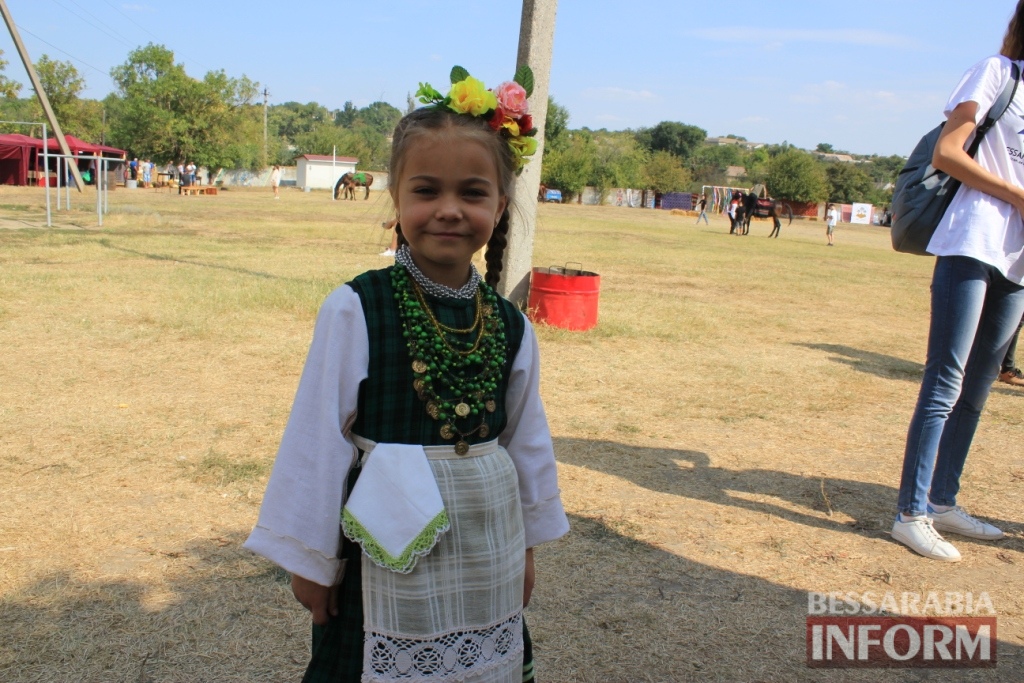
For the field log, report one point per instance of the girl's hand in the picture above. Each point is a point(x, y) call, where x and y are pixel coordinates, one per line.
point(528, 577)
point(319, 600)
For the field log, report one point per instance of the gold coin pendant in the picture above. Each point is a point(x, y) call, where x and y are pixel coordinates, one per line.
point(447, 432)
point(432, 409)
point(461, 448)
point(462, 410)
point(419, 366)
point(484, 431)
point(491, 406)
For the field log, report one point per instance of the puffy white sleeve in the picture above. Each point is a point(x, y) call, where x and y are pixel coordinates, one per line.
point(527, 439)
point(298, 526)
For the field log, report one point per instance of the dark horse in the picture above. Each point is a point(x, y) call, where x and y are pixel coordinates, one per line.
point(347, 184)
point(765, 208)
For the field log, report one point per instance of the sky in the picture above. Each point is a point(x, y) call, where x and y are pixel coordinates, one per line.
point(868, 77)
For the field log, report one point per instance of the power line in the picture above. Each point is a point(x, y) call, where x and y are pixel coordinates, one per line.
point(41, 40)
point(115, 35)
point(147, 32)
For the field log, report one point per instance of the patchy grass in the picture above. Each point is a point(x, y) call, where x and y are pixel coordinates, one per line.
point(729, 438)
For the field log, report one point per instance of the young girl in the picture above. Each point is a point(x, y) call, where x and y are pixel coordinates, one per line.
point(418, 421)
point(977, 299)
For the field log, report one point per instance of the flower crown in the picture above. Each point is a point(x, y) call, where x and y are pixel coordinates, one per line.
point(505, 108)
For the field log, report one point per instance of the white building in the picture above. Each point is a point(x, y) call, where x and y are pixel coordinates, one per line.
point(321, 172)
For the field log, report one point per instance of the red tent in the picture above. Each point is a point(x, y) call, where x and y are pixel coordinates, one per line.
point(20, 153)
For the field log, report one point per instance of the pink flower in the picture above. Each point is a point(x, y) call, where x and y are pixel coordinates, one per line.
point(512, 99)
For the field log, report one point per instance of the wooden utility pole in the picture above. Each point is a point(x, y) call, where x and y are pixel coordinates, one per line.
point(536, 38)
point(266, 98)
point(41, 94)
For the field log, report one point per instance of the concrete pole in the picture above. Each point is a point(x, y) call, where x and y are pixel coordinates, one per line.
point(41, 94)
point(536, 38)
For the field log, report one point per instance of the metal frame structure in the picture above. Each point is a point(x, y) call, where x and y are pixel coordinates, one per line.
point(70, 164)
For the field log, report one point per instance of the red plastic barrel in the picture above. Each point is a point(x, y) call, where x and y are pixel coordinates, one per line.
point(564, 297)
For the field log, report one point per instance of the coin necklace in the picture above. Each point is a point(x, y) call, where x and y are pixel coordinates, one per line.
point(456, 371)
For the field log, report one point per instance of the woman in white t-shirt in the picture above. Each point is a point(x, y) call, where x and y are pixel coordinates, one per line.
point(977, 300)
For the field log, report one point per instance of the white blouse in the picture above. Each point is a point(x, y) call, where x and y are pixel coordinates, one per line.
point(298, 526)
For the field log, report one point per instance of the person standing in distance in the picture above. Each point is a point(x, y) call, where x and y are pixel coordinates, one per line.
point(831, 218)
point(275, 181)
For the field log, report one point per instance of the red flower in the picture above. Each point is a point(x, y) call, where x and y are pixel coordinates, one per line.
point(525, 124)
point(497, 119)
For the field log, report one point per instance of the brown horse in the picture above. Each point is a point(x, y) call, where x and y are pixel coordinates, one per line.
point(347, 184)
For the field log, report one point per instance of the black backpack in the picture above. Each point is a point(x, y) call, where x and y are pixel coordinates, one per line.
point(923, 193)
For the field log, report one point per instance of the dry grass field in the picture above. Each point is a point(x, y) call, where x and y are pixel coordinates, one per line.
point(729, 438)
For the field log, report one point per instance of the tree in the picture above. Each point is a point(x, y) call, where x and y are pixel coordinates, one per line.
point(556, 126)
point(708, 162)
point(797, 176)
point(570, 165)
point(665, 173)
point(346, 116)
point(824, 148)
point(381, 117)
point(8, 89)
point(63, 84)
point(848, 183)
point(619, 162)
point(671, 136)
point(159, 111)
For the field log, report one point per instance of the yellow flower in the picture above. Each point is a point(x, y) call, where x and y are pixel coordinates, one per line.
point(512, 126)
point(524, 146)
point(470, 96)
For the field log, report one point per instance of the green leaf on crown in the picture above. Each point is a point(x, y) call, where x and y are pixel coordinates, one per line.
point(459, 74)
point(427, 95)
point(524, 77)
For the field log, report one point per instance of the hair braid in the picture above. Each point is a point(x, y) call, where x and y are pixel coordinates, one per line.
point(496, 249)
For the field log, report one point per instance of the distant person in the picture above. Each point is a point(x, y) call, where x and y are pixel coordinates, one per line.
point(733, 204)
point(703, 204)
point(1009, 373)
point(275, 181)
point(831, 218)
point(977, 301)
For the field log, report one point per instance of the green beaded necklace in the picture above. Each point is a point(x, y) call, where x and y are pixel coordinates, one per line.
point(456, 371)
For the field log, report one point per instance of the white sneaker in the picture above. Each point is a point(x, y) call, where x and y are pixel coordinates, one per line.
point(919, 535)
point(957, 521)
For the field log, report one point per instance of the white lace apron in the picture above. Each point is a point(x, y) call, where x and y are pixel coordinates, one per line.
point(457, 616)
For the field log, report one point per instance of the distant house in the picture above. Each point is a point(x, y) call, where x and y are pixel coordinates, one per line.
point(735, 171)
point(320, 171)
point(841, 158)
point(746, 144)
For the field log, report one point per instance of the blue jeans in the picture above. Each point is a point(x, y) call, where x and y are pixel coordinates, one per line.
point(975, 312)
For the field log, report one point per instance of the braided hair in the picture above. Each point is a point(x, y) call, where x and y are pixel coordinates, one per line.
point(439, 119)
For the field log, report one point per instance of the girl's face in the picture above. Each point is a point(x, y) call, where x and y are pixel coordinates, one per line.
point(448, 199)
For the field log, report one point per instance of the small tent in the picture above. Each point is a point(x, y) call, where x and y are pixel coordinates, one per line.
point(21, 160)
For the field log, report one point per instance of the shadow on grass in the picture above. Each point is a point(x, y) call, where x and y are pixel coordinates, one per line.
point(607, 608)
point(689, 474)
point(176, 259)
point(889, 367)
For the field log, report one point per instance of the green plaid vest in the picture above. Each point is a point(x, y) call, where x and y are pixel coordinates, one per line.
point(389, 409)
